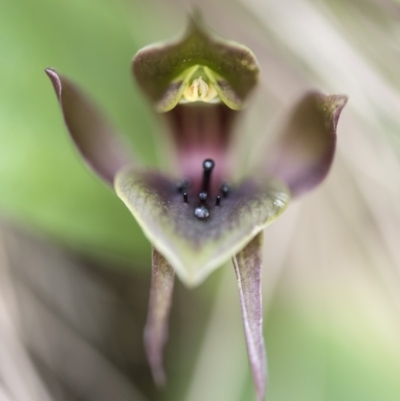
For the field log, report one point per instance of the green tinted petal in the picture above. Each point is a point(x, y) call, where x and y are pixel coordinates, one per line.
point(224, 90)
point(194, 247)
point(232, 66)
point(174, 91)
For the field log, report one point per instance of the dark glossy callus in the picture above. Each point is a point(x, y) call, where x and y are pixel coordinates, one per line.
point(201, 212)
point(208, 166)
point(225, 190)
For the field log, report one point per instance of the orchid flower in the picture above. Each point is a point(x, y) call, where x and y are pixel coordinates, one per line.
point(199, 216)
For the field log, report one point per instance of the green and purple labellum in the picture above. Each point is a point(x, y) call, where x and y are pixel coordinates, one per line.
point(195, 241)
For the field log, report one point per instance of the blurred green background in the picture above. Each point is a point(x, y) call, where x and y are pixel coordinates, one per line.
point(45, 184)
point(332, 271)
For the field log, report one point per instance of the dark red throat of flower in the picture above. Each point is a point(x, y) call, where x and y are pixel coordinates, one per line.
point(202, 132)
point(205, 200)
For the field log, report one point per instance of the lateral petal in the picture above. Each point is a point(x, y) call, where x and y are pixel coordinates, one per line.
point(304, 151)
point(97, 142)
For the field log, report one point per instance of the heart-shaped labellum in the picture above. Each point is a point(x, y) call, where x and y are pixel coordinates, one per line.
point(195, 242)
